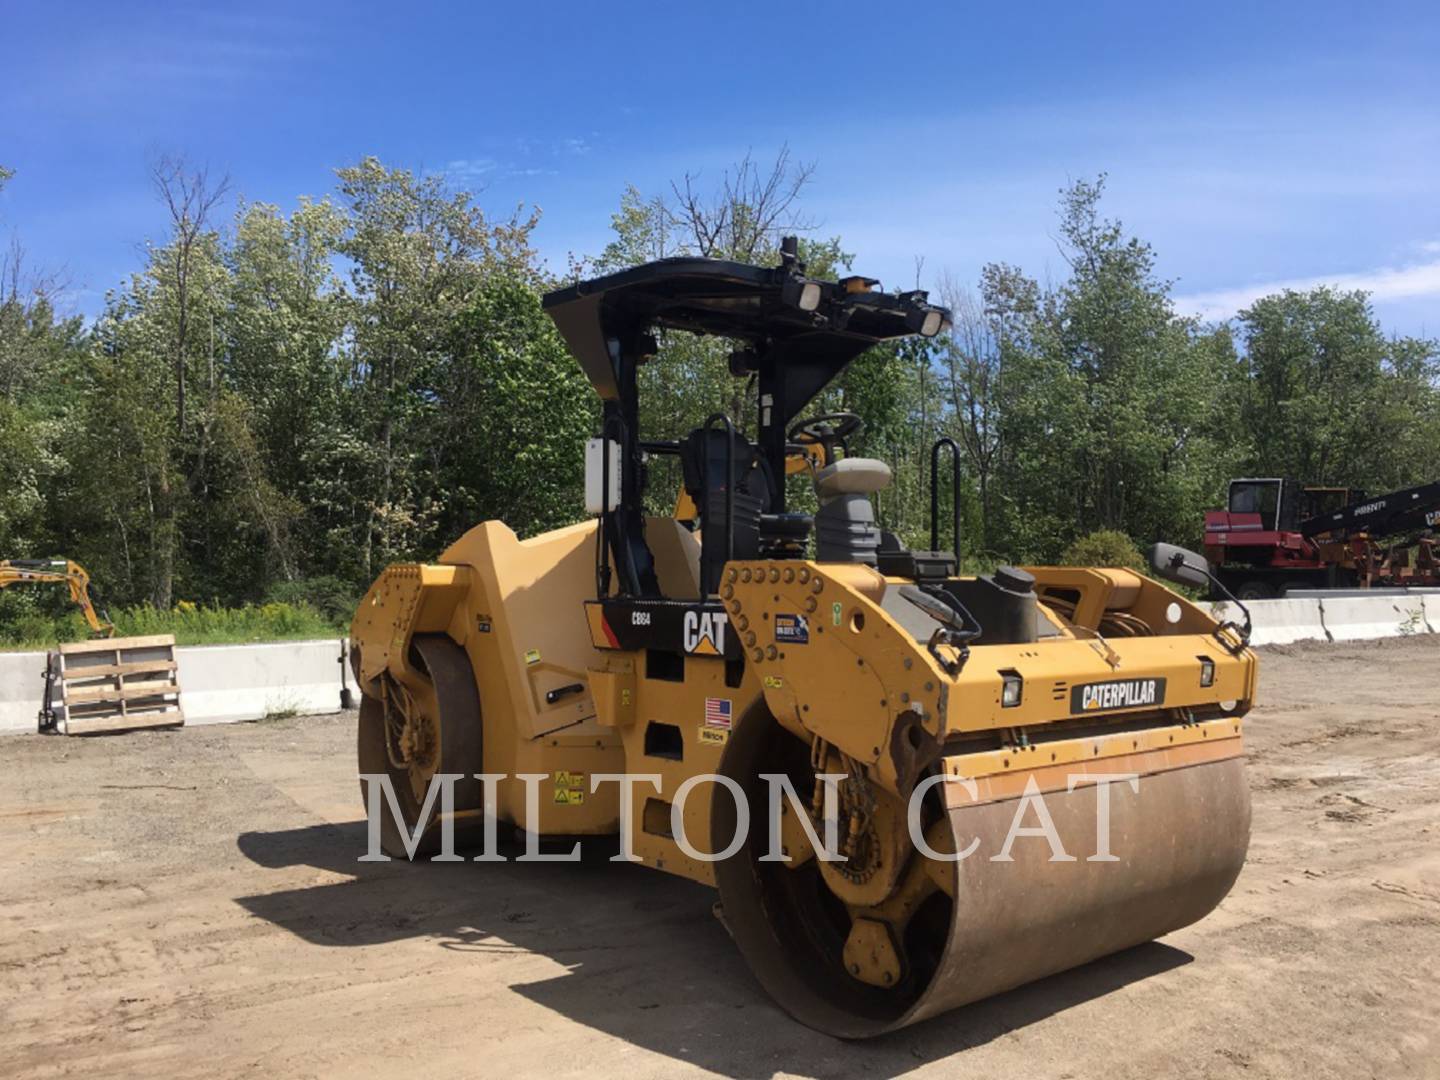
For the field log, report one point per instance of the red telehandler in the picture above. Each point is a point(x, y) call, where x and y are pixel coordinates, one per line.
point(1276, 535)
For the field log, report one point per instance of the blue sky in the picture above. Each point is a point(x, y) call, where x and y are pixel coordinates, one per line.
point(1254, 145)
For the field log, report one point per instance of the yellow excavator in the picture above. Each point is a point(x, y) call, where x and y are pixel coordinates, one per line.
point(59, 572)
point(912, 787)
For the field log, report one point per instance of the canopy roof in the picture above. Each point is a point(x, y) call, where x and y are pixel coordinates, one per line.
point(784, 315)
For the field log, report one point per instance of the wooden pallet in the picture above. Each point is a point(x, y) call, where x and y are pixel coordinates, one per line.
point(116, 685)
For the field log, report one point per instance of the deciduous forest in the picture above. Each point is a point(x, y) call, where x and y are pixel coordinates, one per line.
point(277, 404)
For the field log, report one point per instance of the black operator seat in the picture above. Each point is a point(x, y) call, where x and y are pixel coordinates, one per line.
point(845, 529)
point(702, 460)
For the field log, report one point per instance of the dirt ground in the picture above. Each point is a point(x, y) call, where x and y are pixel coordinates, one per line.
point(189, 904)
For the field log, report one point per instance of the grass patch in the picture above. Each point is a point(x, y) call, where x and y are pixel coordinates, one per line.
point(191, 624)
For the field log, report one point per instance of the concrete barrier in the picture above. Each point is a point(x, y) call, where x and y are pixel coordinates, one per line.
point(1431, 603)
point(218, 683)
point(224, 683)
point(1362, 618)
point(22, 686)
point(1278, 622)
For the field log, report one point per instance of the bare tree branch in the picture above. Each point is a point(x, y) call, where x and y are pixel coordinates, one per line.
point(746, 215)
point(191, 197)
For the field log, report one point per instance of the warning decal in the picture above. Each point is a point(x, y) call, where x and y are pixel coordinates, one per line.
point(569, 788)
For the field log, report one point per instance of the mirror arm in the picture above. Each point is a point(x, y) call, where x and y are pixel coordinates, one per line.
point(957, 641)
point(1177, 561)
point(957, 629)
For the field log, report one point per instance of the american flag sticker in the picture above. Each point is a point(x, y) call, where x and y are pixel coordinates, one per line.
point(717, 712)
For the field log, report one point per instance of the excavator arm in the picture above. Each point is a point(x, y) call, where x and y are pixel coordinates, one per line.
point(1394, 514)
point(58, 572)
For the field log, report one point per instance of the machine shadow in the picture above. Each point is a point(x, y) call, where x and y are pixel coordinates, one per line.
point(646, 960)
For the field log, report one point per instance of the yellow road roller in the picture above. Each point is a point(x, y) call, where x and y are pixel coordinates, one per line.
point(912, 788)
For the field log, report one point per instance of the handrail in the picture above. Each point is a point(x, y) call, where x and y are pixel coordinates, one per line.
point(940, 443)
point(706, 585)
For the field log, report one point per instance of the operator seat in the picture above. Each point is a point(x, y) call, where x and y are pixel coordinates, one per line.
point(702, 457)
point(845, 529)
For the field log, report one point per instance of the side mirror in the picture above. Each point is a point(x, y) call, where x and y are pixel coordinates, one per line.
point(1177, 564)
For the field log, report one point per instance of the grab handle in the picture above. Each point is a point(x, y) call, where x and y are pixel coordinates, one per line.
point(940, 444)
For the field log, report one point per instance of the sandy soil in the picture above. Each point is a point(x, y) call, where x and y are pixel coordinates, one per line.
point(188, 904)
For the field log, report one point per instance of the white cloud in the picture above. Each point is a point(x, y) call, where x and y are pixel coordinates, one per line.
point(1385, 283)
point(469, 168)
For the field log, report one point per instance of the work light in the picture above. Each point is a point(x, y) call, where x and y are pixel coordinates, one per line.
point(804, 295)
point(1010, 687)
point(927, 322)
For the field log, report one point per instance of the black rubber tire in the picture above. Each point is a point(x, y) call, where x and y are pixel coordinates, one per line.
point(1255, 589)
point(460, 745)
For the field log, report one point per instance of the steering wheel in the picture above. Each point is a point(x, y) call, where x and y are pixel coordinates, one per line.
point(827, 429)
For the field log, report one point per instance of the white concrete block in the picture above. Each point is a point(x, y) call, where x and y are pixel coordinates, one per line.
point(22, 688)
point(1366, 617)
point(1280, 622)
point(218, 683)
point(225, 683)
point(1430, 603)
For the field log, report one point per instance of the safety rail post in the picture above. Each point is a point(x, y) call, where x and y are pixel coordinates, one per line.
point(940, 444)
point(706, 585)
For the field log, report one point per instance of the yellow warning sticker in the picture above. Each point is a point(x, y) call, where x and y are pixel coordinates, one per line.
point(532, 656)
point(569, 788)
point(714, 736)
point(773, 682)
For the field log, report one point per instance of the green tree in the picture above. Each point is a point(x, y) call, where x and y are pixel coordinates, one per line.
point(278, 406)
point(38, 354)
point(418, 254)
point(287, 321)
point(1328, 399)
point(1104, 547)
point(506, 432)
point(1107, 401)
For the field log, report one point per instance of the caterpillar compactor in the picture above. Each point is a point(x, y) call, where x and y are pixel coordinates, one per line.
point(977, 839)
